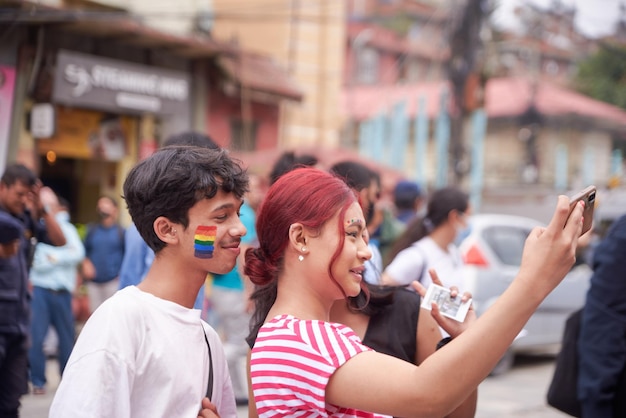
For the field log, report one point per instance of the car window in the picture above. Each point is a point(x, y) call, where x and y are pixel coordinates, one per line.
point(506, 242)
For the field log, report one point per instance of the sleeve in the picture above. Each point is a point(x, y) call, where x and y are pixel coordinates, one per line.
point(95, 385)
point(73, 251)
point(330, 346)
point(407, 266)
point(602, 340)
point(133, 266)
point(38, 229)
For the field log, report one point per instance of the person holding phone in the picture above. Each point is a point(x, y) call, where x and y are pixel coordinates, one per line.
point(312, 249)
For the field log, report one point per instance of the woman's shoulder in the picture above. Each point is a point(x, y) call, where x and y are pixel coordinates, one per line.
point(308, 325)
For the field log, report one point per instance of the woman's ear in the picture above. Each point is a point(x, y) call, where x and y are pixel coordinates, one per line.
point(166, 230)
point(297, 236)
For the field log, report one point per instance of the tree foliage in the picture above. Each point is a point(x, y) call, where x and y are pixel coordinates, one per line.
point(603, 75)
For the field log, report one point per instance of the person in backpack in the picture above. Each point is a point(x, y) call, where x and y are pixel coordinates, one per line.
point(104, 249)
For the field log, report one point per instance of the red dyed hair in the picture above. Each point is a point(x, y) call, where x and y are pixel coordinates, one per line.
point(306, 195)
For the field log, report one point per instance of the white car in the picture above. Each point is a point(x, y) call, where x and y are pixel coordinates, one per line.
point(492, 253)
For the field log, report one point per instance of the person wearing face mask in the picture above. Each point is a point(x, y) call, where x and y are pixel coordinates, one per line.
point(104, 249)
point(429, 242)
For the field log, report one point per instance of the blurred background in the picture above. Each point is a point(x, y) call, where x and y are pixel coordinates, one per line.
point(512, 100)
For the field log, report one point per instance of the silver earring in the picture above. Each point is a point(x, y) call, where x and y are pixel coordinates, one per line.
point(301, 257)
point(303, 249)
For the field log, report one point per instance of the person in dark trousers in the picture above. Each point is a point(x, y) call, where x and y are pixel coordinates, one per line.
point(602, 339)
point(53, 279)
point(19, 205)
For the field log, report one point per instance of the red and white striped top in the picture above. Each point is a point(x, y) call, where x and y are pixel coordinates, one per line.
point(292, 361)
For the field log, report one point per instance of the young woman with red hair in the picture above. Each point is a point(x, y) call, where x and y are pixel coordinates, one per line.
point(312, 247)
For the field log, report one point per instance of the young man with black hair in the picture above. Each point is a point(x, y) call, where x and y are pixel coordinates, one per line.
point(146, 352)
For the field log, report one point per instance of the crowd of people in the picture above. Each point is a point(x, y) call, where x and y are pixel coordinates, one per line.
point(298, 294)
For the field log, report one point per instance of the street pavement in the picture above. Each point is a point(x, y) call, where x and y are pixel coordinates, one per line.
point(518, 393)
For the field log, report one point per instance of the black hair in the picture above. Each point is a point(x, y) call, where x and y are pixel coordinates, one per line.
point(288, 162)
point(18, 172)
point(191, 138)
point(356, 175)
point(441, 203)
point(175, 178)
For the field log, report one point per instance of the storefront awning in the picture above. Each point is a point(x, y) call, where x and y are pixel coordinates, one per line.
point(255, 72)
point(258, 72)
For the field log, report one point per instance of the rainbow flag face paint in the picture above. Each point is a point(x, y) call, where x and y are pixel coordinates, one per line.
point(204, 241)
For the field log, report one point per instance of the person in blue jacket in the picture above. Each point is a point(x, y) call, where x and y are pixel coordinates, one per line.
point(19, 205)
point(602, 339)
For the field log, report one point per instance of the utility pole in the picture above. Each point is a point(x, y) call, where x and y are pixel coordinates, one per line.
point(464, 45)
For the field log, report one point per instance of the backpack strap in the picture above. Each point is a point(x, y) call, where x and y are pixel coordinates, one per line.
point(209, 389)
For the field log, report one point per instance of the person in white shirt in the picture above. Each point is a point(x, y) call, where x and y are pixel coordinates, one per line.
point(146, 352)
point(429, 243)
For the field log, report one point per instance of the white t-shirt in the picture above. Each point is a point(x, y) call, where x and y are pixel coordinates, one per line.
point(142, 356)
point(413, 263)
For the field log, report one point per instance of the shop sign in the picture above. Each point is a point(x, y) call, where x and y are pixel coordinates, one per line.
point(119, 86)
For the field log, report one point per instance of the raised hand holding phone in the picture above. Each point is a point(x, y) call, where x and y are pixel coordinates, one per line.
point(588, 197)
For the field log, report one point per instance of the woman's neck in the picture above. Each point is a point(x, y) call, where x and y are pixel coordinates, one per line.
point(442, 236)
point(340, 313)
point(298, 298)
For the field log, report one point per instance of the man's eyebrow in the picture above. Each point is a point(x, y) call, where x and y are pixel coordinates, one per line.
point(228, 206)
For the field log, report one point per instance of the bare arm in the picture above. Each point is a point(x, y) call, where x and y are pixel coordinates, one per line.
point(428, 335)
point(384, 384)
point(251, 403)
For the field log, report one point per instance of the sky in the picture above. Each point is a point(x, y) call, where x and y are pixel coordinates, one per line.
point(594, 18)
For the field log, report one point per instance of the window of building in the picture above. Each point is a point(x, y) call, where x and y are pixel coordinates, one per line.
point(367, 66)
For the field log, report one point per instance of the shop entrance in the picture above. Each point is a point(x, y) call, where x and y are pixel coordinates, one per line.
point(88, 157)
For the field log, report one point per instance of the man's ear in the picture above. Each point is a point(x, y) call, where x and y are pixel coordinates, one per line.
point(166, 230)
point(297, 236)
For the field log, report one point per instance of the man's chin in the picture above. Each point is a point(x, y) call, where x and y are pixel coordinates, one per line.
point(224, 269)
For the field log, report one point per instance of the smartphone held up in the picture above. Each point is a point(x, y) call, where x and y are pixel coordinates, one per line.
point(587, 195)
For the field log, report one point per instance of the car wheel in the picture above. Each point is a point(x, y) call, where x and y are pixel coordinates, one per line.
point(504, 365)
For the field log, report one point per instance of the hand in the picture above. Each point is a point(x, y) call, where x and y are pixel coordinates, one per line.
point(87, 269)
point(47, 198)
point(549, 252)
point(452, 327)
point(208, 410)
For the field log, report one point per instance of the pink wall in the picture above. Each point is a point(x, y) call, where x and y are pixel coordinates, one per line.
point(222, 109)
point(387, 67)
